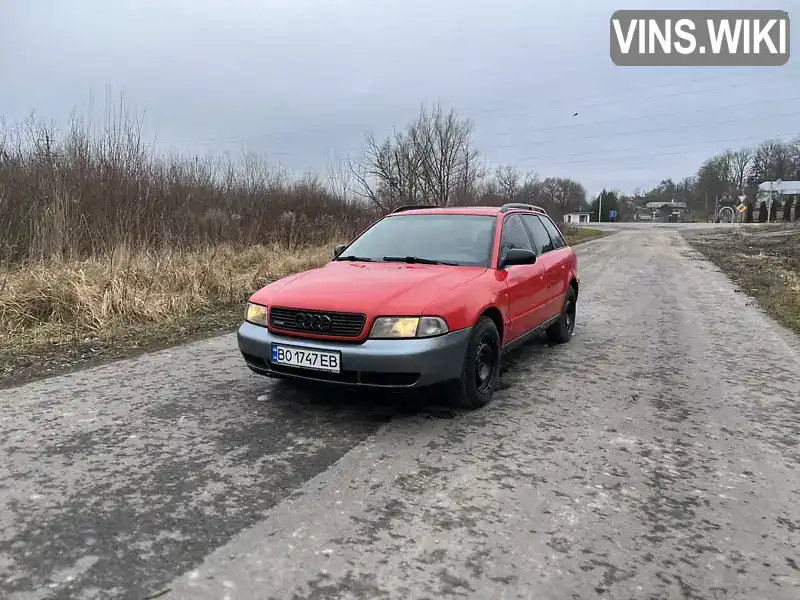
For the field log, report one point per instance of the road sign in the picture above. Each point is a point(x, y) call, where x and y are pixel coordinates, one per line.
point(612, 214)
point(741, 208)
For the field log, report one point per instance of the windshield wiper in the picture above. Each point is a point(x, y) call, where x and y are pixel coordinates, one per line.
point(354, 258)
point(417, 260)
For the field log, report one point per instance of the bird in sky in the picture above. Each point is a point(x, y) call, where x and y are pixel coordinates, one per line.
point(575, 115)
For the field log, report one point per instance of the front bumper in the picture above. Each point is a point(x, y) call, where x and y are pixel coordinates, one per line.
point(373, 363)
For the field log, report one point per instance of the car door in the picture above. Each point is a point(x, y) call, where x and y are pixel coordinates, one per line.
point(557, 279)
point(543, 246)
point(526, 287)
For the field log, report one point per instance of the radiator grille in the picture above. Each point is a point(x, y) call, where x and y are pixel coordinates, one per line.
point(347, 325)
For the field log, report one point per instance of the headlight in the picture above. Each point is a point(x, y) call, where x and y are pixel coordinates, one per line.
point(256, 314)
point(431, 326)
point(407, 327)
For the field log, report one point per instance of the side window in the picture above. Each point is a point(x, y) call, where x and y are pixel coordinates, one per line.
point(541, 238)
point(555, 235)
point(514, 235)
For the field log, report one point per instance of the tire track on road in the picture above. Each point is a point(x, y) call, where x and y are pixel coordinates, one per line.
point(118, 477)
point(621, 464)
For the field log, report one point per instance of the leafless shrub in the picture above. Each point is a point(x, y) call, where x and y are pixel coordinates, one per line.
point(88, 192)
point(81, 195)
point(433, 161)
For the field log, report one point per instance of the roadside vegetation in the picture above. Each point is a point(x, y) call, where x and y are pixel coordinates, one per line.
point(733, 172)
point(764, 263)
point(108, 248)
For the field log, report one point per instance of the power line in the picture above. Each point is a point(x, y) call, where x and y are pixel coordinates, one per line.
point(702, 80)
point(747, 84)
point(602, 156)
point(643, 117)
point(588, 137)
point(637, 118)
point(506, 114)
point(638, 148)
point(641, 131)
point(561, 139)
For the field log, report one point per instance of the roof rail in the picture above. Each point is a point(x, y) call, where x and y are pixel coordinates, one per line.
point(512, 205)
point(412, 207)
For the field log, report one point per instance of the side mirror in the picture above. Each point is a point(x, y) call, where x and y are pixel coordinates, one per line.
point(338, 249)
point(517, 256)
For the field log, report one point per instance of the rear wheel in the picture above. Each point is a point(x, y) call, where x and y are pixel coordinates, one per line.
point(481, 369)
point(560, 332)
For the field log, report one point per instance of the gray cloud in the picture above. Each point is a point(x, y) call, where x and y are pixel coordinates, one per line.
point(303, 80)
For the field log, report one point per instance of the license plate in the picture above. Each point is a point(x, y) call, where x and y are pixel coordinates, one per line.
point(306, 358)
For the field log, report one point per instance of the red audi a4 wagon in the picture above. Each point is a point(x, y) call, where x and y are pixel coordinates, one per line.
point(424, 296)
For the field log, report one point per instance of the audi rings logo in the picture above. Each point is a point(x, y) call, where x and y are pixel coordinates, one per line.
point(312, 322)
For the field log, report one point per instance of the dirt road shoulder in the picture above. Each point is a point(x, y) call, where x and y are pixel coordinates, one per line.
point(764, 264)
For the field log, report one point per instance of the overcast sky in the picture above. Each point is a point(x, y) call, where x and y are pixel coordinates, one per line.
point(302, 80)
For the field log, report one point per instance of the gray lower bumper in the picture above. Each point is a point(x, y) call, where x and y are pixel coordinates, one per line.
point(373, 363)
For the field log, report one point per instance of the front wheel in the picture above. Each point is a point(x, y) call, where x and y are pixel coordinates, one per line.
point(481, 369)
point(560, 332)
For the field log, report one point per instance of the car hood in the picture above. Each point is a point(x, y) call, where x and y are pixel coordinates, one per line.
point(377, 288)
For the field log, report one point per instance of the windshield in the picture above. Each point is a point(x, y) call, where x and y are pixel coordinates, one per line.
point(456, 239)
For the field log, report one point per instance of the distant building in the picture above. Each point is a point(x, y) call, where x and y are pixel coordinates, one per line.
point(782, 188)
point(578, 217)
point(778, 199)
point(665, 211)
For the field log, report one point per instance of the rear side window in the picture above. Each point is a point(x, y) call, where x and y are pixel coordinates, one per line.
point(558, 240)
point(541, 238)
point(514, 235)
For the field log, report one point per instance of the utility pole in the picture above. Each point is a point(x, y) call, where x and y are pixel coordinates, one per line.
point(600, 208)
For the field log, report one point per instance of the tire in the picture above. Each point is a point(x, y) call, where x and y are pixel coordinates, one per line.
point(560, 332)
point(479, 381)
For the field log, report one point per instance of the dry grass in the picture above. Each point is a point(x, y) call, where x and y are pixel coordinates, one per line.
point(50, 300)
point(106, 244)
point(764, 264)
point(57, 315)
point(56, 300)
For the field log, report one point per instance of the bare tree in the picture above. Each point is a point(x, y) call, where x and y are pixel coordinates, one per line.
point(739, 163)
point(563, 195)
point(393, 172)
point(714, 177)
point(470, 175)
point(531, 189)
point(772, 160)
point(453, 158)
point(508, 178)
point(433, 161)
point(339, 178)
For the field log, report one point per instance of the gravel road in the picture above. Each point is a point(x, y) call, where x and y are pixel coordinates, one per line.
point(654, 456)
